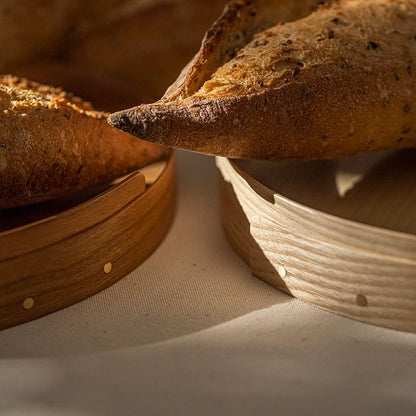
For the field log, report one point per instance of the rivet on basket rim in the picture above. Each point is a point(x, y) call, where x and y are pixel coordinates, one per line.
point(107, 267)
point(28, 303)
point(281, 271)
point(361, 300)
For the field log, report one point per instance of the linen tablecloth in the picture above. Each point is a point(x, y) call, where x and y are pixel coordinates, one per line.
point(192, 332)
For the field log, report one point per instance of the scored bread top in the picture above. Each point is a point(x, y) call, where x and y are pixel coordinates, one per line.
point(240, 20)
point(333, 38)
point(336, 83)
point(52, 144)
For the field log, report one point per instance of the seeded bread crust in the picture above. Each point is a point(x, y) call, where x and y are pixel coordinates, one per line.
point(114, 52)
point(52, 144)
point(336, 83)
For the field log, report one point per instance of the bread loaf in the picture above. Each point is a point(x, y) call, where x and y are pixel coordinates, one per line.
point(339, 82)
point(52, 144)
point(113, 52)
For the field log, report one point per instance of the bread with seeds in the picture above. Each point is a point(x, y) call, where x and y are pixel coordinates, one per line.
point(53, 144)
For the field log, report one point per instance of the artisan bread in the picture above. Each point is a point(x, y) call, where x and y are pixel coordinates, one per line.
point(240, 21)
point(52, 144)
point(113, 52)
point(338, 82)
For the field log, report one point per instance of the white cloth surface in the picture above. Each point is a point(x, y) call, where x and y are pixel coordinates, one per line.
point(192, 332)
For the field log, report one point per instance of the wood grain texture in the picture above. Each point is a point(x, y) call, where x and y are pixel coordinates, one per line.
point(322, 245)
point(60, 260)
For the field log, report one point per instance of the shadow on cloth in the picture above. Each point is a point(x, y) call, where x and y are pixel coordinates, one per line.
point(192, 282)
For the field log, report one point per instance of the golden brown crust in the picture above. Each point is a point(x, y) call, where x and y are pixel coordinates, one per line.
point(53, 143)
point(240, 20)
point(113, 52)
point(337, 83)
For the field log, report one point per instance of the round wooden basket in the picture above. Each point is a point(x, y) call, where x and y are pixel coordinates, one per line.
point(339, 235)
point(55, 254)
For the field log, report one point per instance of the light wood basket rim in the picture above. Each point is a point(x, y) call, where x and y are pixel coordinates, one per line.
point(356, 225)
point(356, 270)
